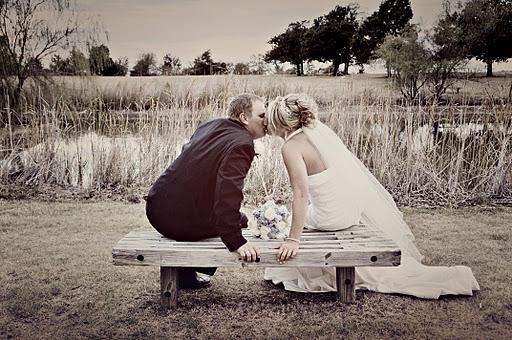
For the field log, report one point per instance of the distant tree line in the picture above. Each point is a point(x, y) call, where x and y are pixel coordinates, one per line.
point(480, 29)
point(97, 63)
point(339, 37)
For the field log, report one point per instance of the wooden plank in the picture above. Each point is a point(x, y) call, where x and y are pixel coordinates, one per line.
point(222, 257)
point(345, 284)
point(168, 287)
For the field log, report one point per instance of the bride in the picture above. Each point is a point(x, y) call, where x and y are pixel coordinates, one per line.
point(333, 190)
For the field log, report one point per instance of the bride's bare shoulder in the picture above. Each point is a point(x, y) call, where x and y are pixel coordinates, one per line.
point(294, 145)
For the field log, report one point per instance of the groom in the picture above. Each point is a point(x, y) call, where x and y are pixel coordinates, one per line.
point(199, 195)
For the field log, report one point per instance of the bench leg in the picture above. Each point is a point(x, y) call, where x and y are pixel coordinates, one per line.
point(168, 287)
point(345, 279)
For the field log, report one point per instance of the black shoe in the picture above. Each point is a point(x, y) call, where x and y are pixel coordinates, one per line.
point(189, 279)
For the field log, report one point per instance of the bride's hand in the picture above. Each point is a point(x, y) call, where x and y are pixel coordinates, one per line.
point(287, 250)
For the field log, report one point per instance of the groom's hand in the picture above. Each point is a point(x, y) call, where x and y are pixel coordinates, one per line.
point(249, 253)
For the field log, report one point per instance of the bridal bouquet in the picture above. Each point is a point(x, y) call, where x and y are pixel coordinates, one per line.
point(271, 221)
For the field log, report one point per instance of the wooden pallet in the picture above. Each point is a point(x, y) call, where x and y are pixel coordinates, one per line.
point(357, 246)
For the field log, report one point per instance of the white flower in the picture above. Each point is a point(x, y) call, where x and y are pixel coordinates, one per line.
point(281, 226)
point(255, 231)
point(280, 236)
point(270, 214)
point(264, 232)
point(278, 217)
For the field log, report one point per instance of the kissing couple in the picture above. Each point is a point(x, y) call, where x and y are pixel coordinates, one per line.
point(200, 194)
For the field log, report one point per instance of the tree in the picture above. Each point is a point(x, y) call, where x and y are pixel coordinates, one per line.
point(145, 66)
point(171, 65)
point(290, 46)
point(59, 65)
point(117, 67)
point(409, 59)
point(78, 63)
point(448, 52)
point(204, 65)
point(241, 68)
point(486, 30)
point(394, 15)
point(258, 65)
point(7, 65)
point(102, 64)
point(331, 37)
point(99, 59)
point(27, 39)
point(391, 17)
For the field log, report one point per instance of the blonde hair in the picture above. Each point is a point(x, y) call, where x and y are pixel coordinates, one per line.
point(293, 111)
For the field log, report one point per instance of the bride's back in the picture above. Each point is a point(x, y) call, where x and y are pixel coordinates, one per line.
point(310, 155)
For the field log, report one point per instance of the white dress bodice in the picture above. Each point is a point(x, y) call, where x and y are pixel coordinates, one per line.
point(330, 208)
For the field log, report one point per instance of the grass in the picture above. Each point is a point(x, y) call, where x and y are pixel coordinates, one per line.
point(97, 133)
point(57, 281)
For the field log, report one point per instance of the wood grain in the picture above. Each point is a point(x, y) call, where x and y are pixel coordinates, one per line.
point(345, 284)
point(168, 287)
point(353, 247)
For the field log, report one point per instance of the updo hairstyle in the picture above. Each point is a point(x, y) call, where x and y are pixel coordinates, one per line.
point(294, 111)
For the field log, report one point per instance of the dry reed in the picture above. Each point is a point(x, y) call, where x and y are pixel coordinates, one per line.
point(91, 132)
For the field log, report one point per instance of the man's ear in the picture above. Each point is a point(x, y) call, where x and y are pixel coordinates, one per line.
point(242, 117)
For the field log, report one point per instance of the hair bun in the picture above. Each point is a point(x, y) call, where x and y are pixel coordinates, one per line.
point(306, 117)
point(293, 111)
point(305, 108)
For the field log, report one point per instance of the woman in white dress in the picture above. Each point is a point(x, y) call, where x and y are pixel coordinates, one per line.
point(333, 190)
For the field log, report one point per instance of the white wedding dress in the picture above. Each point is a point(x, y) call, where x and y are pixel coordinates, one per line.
point(346, 193)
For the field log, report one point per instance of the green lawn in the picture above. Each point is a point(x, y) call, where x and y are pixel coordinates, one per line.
point(57, 281)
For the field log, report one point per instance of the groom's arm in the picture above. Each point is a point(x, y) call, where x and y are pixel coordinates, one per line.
point(229, 196)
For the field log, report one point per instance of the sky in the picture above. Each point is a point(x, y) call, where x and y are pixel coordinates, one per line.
point(233, 30)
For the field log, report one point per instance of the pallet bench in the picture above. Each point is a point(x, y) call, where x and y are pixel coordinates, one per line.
point(357, 246)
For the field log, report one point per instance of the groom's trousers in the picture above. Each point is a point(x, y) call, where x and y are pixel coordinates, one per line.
point(189, 228)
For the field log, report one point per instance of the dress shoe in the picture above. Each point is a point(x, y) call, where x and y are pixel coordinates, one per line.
point(189, 279)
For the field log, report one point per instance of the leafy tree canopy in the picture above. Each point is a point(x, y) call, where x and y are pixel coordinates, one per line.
point(331, 36)
point(290, 46)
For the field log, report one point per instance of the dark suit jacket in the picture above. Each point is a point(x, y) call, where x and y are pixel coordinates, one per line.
point(199, 195)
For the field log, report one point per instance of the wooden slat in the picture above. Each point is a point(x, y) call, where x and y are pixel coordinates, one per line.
point(221, 257)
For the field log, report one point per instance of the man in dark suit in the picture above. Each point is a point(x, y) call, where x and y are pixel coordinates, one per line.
point(199, 195)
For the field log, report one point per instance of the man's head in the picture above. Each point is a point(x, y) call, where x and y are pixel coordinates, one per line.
point(249, 109)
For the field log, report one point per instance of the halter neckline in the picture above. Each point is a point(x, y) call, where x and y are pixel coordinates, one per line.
point(299, 130)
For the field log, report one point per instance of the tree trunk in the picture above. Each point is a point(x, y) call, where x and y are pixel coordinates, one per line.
point(297, 69)
point(345, 70)
point(388, 70)
point(489, 68)
point(335, 67)
point(16, 100)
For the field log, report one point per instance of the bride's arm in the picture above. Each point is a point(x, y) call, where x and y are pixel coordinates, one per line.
point(297, 173)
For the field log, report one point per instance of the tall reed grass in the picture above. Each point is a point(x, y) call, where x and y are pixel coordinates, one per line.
point(92, 135)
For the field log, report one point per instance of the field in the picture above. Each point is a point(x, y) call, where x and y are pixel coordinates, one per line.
point(83, 143)
point(58, 282)
point(94, 134)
